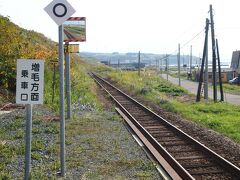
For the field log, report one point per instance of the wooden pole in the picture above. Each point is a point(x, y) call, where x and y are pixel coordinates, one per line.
point(203, 59)
point(139, 61)
point(213, 57)
point(179, 79)
point(219, 72)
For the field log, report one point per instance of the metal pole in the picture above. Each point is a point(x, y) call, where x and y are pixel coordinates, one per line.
point(179, 79)
point(68, 82)
point(28, 139)
point(62, 118)
point(213, 57)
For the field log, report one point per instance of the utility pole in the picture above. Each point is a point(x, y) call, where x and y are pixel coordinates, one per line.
point(118, 63)
point(183, 60)
point(219, 72)
point(139, 61)
point(161, 65)
point(179, 79)
point(206, 74)
point(190, 68)
point(213, 56)
point(203, 59)
point(167, 65)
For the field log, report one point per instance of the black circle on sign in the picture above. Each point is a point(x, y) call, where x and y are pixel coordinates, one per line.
point(54, 10)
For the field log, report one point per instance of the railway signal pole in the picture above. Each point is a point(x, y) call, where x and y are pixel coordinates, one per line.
point(60, 12)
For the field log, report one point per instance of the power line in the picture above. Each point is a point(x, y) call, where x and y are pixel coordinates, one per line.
point(176, 40)
point(194, 37)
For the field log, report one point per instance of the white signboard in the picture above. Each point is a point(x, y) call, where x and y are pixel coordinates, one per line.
point(30, 80)
point(59, 11)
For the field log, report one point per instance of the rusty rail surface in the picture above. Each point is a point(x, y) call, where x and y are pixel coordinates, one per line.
point(180, 155)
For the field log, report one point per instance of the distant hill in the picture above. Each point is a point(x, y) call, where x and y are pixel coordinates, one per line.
point(147, 58)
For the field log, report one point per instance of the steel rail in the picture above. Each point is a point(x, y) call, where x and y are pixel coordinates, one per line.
point(234, 170)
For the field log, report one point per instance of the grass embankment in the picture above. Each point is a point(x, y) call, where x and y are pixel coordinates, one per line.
point(82, 86)
point(221, 117)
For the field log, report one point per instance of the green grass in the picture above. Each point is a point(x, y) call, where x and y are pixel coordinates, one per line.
point(221, 117)
point(5, 176)
point(232, 88)
point(54, 129)
point(37, 145)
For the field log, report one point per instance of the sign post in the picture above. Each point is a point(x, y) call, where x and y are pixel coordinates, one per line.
point(28, 140)
point(60, 11)
point(29, 90)
point(68, 82)
point(74, 31)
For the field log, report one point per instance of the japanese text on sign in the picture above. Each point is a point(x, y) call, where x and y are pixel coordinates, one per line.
point(30, 78)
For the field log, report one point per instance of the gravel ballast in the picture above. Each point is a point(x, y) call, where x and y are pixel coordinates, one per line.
point(98, 146)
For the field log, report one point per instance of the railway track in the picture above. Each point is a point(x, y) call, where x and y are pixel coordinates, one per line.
point(181, 156)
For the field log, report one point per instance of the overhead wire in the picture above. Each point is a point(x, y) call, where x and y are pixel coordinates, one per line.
point(189, 28)
point(181, 47)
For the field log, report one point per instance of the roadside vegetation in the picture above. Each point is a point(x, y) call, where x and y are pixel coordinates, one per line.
point(221, 117)
point(18, 43)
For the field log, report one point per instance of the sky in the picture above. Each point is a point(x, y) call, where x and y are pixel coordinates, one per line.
point(149, 26)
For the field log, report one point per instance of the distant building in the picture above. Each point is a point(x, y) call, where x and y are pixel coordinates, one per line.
point(235, 63)
point(225, 75)
point(105, 62)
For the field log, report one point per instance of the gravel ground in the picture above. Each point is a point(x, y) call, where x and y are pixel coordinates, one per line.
point(98, 146)
point(12, 134)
